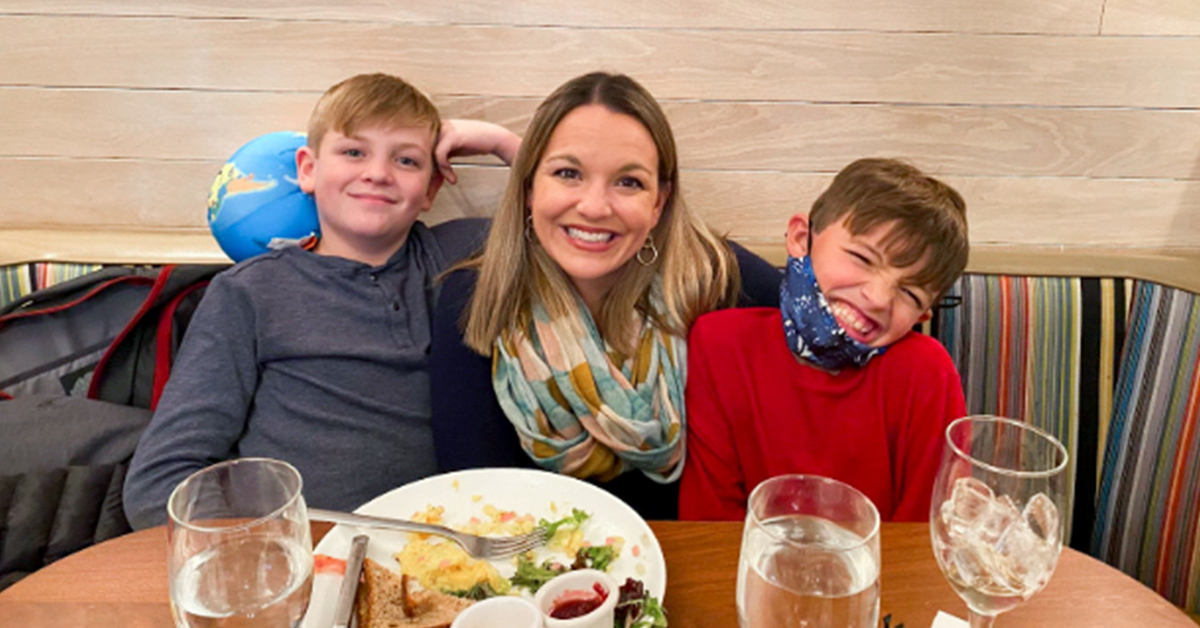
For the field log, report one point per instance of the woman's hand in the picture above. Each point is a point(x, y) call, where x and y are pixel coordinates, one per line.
point(462, 138)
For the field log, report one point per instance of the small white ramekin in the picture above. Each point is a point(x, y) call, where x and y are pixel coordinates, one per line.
point(579, 580)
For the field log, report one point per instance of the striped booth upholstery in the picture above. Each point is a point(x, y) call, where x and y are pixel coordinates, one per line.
point(1148, 505)
point(19, 280)
point(1108, 366)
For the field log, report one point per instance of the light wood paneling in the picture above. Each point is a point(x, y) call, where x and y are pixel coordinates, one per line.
point(706, 64)
point(1076, 144)
point(1151, 17)
point(999, 16)
point(1017, 141)
point(752, 206)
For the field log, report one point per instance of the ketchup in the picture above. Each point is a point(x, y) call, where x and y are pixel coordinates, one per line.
point(573, 604)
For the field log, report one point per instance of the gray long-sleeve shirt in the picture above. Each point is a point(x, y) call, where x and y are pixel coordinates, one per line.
point(320, 361)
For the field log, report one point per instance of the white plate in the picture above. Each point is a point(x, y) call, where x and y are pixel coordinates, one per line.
point(465, 493)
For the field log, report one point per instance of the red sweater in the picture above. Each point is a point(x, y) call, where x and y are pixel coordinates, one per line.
point(755, 412)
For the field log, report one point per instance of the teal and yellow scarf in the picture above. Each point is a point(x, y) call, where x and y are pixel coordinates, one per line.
point(582, 409)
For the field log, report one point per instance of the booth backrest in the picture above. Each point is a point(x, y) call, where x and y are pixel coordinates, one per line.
point(1148, 504)
point(1109, 366)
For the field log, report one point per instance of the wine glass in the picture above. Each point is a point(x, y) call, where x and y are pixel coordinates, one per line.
point(239, 546)
point(809, 556)
point(996, 517)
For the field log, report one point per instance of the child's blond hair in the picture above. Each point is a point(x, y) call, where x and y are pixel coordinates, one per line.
point(370, 99)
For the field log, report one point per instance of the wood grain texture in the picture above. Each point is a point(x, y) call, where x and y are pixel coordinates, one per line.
point(94, 220)
point(1151, 17)
point(712, 135)
point(928, 68)
point(754, 206)
point(1071, 126)
point(999, 16)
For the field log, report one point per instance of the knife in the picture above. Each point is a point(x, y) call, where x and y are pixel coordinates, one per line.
point(343, 611)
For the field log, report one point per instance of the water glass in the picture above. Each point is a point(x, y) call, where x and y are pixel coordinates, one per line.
point(239, 546)
point(996, 518)
point(809, 557)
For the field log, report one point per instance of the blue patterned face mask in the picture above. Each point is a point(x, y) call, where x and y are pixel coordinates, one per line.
point(812, 331)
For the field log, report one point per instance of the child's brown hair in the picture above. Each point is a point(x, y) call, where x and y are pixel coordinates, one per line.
point(929, 219)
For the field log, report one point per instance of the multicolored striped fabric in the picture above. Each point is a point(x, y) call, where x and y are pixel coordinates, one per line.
point(1043, 350)
point(19, 280)
point(1148, 506)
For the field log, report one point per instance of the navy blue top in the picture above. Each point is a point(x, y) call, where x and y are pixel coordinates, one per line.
point(469, 427)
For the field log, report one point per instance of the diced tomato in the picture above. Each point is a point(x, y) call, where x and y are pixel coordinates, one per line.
point(636, 550)
point(507, 515)
point(612, 540)
point(329, 564)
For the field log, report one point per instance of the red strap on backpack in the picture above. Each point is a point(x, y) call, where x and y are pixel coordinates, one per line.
point(147, 305)
point(163, 356)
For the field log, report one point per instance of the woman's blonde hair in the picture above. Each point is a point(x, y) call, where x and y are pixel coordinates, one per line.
point(698, 271)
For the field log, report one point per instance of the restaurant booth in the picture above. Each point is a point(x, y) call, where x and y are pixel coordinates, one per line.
point(1071, 128)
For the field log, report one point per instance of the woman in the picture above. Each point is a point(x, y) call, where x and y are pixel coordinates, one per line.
point(571, 325)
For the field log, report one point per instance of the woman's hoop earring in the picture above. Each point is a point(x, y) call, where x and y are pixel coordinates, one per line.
point(529, 227)
point(653, 251)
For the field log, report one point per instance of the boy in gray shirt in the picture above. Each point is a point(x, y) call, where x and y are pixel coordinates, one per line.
point(317, 354)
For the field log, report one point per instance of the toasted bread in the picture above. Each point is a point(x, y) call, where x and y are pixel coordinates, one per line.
point(382, 598)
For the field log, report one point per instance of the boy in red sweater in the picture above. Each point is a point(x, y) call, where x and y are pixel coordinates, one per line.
point(835, 382)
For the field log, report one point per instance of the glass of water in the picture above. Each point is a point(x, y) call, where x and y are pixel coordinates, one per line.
point(239, 546)
point(810, 556)
point(996, 517)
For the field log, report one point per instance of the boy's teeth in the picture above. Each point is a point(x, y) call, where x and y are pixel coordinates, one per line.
point(589, 236)
point(847, 317)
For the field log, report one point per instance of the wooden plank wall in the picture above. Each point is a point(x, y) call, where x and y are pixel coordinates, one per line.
point(1071, 126)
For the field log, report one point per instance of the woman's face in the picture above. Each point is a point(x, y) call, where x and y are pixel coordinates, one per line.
point(595, 196)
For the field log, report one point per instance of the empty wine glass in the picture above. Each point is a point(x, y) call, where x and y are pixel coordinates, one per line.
point(996, 514)
point(239, 546)
point(809, 557)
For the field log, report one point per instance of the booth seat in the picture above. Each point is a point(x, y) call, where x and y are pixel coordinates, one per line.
point(1108, 365)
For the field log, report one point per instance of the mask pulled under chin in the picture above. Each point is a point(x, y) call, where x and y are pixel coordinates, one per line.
point(811, 329)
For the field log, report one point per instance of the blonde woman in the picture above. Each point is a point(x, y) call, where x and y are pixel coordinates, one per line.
point(563, 343)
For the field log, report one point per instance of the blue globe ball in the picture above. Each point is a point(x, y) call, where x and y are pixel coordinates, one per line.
point(256, 202)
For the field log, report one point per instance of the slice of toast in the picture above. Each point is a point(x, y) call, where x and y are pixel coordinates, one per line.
point(381, 602)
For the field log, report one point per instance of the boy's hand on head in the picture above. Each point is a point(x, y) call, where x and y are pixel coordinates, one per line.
point(463, 138)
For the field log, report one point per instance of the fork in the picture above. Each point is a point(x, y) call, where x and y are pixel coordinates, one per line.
point(485, 547)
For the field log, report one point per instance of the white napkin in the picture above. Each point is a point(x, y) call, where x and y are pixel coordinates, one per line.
point(946, 620)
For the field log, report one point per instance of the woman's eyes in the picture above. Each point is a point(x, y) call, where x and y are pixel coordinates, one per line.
point(631, 182)
point(574, 174)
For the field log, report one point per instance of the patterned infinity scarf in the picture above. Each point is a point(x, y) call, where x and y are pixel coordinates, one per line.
point(812, 331)
point(578, 412)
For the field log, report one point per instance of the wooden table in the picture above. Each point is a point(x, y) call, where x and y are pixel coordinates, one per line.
point(123, 583)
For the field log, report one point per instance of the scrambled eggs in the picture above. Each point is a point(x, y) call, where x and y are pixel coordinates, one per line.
point(441, 565)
